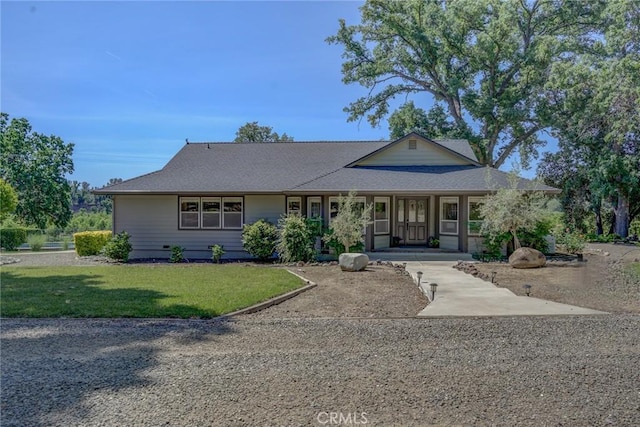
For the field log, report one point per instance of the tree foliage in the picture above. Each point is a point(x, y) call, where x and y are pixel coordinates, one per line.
point(83, 199)
point(8, 199)
point(36, 165)
point(511, 209)
point(595, 97)
point(485, 60)
point(253, 132)
point(433, 124)
point(350, 221)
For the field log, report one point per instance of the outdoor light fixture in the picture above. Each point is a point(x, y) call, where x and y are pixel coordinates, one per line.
point(419, 274)
point(527, 289)
point(493, 276)
point(434, 287)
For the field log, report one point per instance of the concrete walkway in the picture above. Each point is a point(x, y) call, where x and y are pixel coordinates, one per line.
point(460, 294)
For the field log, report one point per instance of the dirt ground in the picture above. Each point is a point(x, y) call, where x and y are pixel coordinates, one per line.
point(379, 291)
point(603, 281)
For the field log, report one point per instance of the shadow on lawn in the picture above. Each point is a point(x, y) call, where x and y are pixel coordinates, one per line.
point(57, 371)
point(80, 296)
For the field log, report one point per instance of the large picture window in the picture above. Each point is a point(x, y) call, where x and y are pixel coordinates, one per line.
point(381, 215)
point(333, 206)
point(211, 212)
point(475, 219)
point(449, 215)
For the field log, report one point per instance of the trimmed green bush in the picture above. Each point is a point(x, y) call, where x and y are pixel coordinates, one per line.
point(216, 252)
point(259, 239)
point(11, 238)
point(296, 240)
point(118, 248)
point(91, 242)
point(36, 241)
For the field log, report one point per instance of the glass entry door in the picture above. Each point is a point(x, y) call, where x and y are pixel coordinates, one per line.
point(411, 224)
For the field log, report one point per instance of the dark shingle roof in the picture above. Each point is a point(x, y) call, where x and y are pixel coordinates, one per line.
point(303, 167)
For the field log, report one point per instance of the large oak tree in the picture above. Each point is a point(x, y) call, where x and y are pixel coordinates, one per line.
point(486, 61)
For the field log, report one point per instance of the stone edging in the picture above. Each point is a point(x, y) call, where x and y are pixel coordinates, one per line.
point(273, 301)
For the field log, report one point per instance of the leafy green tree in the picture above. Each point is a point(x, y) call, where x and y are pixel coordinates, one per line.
point(511, 209)
point(36, 166)
point(596, 113)
point(485, 60)
point(350, 221)
point(8, 200)
point(434, 124)
point(252, 132)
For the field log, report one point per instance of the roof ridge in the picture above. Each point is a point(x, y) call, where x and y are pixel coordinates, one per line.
point(367, 141)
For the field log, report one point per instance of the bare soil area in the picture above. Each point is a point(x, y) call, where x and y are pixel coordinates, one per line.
point(603, 281)
point(379, 291)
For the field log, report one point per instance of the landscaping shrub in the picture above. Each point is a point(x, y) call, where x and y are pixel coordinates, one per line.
point(177, 254)
point(572, 242)
point(11, 238)
point(216, 252)
point(332, 242)
point(295, 240)
point(91, 242)
point(535, 237)
point(36, 241)
point(118, 248)
point(259, 239)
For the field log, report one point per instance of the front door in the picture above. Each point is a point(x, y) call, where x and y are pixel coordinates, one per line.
point(412, 221)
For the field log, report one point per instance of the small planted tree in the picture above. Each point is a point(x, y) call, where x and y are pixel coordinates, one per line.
point(352, 218)
point(511, 209)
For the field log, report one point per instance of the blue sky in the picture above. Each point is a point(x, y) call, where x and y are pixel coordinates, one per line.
point(127, 82)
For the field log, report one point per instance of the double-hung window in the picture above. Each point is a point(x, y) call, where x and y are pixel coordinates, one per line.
point(211, 212)
point(189, 212)
point(381, 215)
point(449, 215)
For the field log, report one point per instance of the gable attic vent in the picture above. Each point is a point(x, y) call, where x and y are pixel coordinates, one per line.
point(412, 144)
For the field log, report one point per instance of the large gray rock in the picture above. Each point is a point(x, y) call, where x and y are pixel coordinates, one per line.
point(353, 262)
point(527, 258)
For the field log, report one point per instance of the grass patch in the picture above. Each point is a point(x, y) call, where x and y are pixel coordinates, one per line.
point(635, 267)
point(184, 291)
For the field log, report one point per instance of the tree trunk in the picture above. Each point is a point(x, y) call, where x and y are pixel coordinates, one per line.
point(516, 241)
point(622, 216)
point(599, 229)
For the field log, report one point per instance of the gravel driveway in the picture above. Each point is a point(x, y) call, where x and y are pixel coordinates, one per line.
point(534, 371)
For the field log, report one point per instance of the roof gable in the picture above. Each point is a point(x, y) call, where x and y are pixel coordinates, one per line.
point(416, 150)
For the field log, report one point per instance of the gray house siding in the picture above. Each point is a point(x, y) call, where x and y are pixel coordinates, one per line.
point(269, 207)
point(152, 222)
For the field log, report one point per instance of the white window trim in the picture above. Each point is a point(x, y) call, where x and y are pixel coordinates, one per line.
point(188, 199)
point(232, 199)
point(313, 199)
point(387, 203)
point(294, 199)
point(469, 220)
point(444, 200)
point(201, 213)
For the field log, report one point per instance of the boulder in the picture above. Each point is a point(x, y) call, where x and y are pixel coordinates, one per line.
point(527, 258)
point(353, 262)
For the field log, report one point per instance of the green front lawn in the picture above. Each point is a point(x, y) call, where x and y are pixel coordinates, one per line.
point(185, 291)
